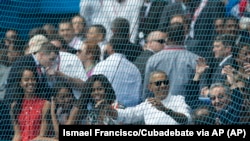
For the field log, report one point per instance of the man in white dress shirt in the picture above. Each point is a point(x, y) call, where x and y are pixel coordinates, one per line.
point(124, 76)
point(162, 109)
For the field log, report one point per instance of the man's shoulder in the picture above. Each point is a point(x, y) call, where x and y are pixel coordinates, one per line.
point(26, 59)
point(68, 56)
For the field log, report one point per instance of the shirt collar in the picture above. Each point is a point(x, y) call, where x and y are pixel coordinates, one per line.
point(224, 60)
point(37, 62)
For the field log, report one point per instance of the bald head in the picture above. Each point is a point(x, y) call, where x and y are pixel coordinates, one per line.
point(156, 40)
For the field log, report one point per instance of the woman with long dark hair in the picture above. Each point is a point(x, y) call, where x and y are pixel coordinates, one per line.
point(28, 110)
point(99, 95)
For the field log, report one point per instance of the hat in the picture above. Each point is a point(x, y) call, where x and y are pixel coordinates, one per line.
point(36, 42)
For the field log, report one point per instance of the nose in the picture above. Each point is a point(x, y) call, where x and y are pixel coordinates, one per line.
point(216, 100)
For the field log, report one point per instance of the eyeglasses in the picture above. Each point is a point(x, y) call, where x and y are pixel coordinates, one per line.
point(158, 83)
point(161, 41)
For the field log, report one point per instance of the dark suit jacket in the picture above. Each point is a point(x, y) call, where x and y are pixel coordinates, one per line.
point(169, 11)
point(131, 50)
point(141, 61)
point(213, 73)
point(43, 88)
point(204, 28)
point(217, 76)
point(151, 22)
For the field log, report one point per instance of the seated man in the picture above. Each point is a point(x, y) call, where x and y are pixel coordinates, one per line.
point(162, 109)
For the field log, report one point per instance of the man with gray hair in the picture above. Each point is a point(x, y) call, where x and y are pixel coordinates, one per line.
point(45, 56)
point(67, 66)
point(228, 104)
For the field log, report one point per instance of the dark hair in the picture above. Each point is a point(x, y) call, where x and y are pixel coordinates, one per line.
point(100, 29)
point(59, 85)
point(57, 37)
point(119, 44)
point(231, 18)
point(66, 20)
point(85, 97)
point(176, 33)
point(109, 91)
point(48, 47)
point(227, 40)
point(78, 15)
point(37, 31)
point(244, 41)
point(94, 49)
point(17, 93)
point(120, 26)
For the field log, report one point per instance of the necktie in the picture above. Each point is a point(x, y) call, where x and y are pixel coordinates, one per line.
point(40, 72)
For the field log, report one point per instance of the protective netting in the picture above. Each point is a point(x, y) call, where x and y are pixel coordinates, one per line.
point(105, 62)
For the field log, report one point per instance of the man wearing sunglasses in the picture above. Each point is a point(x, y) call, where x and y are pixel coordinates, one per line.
point(161, 109)
point(155, 43)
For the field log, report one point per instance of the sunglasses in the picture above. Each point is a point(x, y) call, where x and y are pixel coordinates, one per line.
point(161, 41)
point(158, 83)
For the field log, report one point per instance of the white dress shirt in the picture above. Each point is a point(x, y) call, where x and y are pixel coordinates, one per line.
point(72, 66)
point(104, 12)
point(76, 43)
point(124, 77)
point(151, 116)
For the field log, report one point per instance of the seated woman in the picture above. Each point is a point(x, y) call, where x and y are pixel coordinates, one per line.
point(28, 109)
point(99, 96)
